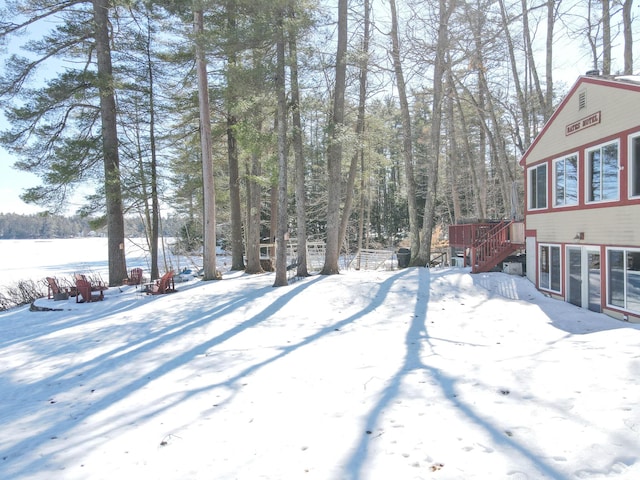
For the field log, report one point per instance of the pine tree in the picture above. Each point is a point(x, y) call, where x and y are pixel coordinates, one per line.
point(66, 130)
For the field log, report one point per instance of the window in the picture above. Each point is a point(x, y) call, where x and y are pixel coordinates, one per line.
point(565, 181)
point(538, 187)
point(602, 173)
point(624, 279)
point(549, 260)
point(634, 166)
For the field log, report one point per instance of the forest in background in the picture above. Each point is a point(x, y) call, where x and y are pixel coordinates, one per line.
point(14, 226)
point(353, 122)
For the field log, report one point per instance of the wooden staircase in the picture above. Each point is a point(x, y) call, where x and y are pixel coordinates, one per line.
point(492, 248)
point(488, 243)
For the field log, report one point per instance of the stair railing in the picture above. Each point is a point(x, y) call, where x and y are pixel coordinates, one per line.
point(489, 245)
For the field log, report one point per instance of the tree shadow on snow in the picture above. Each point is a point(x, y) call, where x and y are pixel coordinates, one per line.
point(43, 409)
point(142, 336)
point(416, 341)
point(562, 315)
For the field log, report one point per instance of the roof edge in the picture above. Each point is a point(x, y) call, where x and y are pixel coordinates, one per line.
point(631, 82)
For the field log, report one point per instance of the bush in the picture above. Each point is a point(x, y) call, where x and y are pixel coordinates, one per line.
point(22, 293)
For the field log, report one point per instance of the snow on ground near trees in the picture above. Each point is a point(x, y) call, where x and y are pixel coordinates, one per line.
point(406, 374)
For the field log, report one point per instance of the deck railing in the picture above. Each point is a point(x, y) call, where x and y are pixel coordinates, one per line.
point(487, 243)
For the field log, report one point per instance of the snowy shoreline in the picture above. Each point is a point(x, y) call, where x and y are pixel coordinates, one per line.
point(36, 259)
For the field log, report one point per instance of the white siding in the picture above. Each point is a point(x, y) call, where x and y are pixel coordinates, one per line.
point(604, 226)
point(618, 109)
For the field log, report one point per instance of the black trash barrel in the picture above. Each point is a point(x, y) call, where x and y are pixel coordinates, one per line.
point(404, 255)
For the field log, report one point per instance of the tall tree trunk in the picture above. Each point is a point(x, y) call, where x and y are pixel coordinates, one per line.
point(480, 163)
point(155, 203)
point(522, 102)
point(145, 195)
point(475, 156)
point(549, 60)
point(334, 157)
point(501, 166)
point(253, 215)
point(606, 37)
point(533, 71)
point(237, 244)
point(476, 168)
point(155, 212)
point(281, 246)
point(209, 220)
point(360, 125)
point(363, 200)
point(149, 189)
point(454, 151)
point(445, 10)
point(113, 187)
point(628, 37)
point(493, 131)
point(407, 137)
point(273, 206)
point(591, 36)
point(298, 152)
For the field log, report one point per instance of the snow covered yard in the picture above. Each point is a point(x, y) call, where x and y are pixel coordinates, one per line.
point(409, 374)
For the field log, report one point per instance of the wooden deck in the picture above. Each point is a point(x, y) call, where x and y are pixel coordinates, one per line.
point(487, 244)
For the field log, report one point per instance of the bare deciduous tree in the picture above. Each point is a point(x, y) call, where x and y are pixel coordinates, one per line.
point(334, 153)
point(628, 37)
point(407, 137)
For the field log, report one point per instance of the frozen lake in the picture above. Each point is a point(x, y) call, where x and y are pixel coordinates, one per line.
point(37, 259)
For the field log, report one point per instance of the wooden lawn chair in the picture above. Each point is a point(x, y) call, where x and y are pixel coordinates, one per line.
point(54, 291)
point(164, 285)
point(85, 290)
point(135, 277)
point(98, 286)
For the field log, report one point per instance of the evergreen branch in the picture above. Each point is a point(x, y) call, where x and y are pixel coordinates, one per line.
point(40, 11)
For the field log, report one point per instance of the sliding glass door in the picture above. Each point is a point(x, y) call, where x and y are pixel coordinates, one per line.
point(584, 277)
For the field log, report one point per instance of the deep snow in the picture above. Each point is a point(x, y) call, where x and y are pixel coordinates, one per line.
point(406, 374)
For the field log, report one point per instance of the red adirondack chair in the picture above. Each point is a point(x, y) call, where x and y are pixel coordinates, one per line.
point(54, 291)
point(135, 277)
point(164, 285)
point(96, 286)
point(85, 291)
